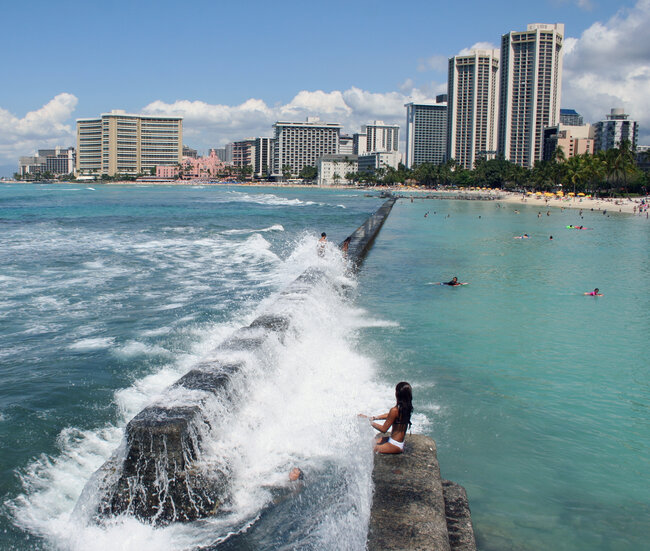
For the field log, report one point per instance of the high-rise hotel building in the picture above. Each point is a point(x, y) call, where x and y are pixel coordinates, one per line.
point(121, 143)
point(472, 103)
point(301, 144)
point(529, 96)
point(426, 134)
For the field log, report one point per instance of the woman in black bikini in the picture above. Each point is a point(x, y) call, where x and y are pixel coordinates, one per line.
point(399, 417)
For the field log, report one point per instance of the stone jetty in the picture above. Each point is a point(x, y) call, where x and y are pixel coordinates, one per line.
point(156, 475)
point(413, 508)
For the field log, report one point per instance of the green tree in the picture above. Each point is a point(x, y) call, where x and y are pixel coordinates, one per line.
point(309, 173)
point(620, 164)
point(286, 172)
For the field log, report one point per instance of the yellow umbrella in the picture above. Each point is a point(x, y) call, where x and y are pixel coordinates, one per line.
point(571, 194)
point(538, 193)
point(529, 193)
point(581, 194)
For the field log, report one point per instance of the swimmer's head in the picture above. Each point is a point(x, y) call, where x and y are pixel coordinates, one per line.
point(323, 234)
point(295, 474)
point(596, 290)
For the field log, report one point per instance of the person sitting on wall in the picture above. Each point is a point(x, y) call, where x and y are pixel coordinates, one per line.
point(398, 417)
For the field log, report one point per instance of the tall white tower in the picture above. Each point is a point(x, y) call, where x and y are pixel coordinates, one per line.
point(472, 104)
point(529, 98)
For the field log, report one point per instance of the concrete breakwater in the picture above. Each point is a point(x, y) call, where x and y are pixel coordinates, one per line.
point(413, 508)
point(158, 474)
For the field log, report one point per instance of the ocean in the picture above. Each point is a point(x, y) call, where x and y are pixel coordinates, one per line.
point(536, 395)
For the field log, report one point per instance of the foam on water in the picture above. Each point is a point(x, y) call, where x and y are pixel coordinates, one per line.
point(92, 344)
point(274, 227)
point(298, 406)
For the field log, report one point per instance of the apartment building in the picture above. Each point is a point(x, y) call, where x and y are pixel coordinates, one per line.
point(58, 161)
point(529, 96)
point(243, 153)
point(574, 140)
point(426, 133)
point(615, 129)
point(570, 117)
point(123, 143)
point(301, 144)
point(263, 157)
point(472, 107)
point(380, 137)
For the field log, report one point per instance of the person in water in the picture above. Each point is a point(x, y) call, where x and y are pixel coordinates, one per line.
point(595, 293)
point(398, 417)
point(321, 244)
point(453, 283)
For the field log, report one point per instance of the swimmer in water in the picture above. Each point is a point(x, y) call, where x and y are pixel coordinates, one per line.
point(525, 236)
point(398, 417)
point(453, 283)
point(595, 293)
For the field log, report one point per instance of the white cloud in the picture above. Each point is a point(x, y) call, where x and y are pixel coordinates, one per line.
point(585, 5)
point(434, 63)
point(40, 129)
point(478, 46)
point(609, 66)
point(206, 125)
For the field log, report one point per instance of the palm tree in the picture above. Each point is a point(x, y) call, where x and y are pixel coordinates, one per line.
point(619, 163)
point(575, 170)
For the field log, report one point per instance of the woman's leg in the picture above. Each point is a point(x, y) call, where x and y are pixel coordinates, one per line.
point(385, 447)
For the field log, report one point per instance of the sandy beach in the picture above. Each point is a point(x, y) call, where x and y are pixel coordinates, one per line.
point(619, 204)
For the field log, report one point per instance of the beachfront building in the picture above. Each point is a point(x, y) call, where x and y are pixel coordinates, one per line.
point(381, 137)
point(359, 141)
point(529, 95)
point(426, 133)
point(370, 162)
point(263, 157)
point(333, 169)
point(57, 161)
point(190, 152)
point(472, 107)
point(122, 143)
point(570, 117)
point(192, 168)
point(574, 140)
point(221, 153)
point(346, 144)
point(243, 153)
point(617, 128)
point(300, 144)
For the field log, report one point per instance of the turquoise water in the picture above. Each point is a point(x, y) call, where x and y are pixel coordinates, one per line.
point(537, 396)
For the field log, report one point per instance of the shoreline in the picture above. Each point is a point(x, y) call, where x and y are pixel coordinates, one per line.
point(616, 204)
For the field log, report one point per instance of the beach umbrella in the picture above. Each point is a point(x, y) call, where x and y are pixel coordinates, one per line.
point(571, 194)
point(538, 193)
point(581, 194)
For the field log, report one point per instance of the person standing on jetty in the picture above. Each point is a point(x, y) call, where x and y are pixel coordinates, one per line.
point(398, 417)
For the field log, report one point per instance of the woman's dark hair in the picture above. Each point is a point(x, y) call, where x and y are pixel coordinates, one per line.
point(404, 397)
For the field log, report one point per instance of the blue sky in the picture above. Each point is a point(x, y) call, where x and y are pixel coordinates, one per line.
point(232, 68)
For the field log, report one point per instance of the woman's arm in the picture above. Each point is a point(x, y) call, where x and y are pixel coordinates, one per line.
point(390, 418)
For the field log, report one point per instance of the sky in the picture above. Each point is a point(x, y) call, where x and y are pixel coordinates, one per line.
point(232, 69)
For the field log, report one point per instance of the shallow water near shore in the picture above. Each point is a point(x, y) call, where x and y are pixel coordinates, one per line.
point(538, 397)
